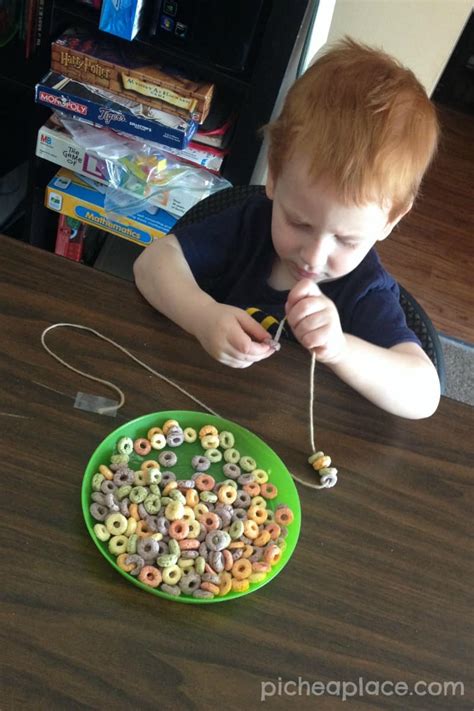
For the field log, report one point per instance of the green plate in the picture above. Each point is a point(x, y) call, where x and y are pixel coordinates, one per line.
point(246, 442)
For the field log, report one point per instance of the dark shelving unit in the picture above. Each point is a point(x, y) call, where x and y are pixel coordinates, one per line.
point(252, 93)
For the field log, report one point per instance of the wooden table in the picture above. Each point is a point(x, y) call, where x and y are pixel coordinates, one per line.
point(378, 589)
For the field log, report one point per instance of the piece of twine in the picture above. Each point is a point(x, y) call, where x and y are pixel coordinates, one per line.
point(327, 481)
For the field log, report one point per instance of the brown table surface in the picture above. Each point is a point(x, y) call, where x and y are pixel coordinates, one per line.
point(378, 588)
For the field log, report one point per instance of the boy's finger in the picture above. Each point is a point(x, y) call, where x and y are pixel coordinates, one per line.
point(301, 290)
point(254, 329)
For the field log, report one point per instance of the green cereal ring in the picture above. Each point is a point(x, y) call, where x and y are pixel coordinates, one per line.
point(167, 559)
point(232, 455)
point(174, 510)
point(125, 445)
point(119, 459)
point(270, 516)
point(140, 478)
point(172, 574)
point(173, 547)
point(153, 476)
point(165, 500)
point(236, 529)
point(185, 563)
point(226, 439)
point(97, 480)
point(118, 544)
point(200, 563)
point(259, 501)
point(190, 434)
point(138, 494)
point(214, 455)
point(101, 532)
point(230, 482)
point(132, 543)
point(116, 524)
point(208, 497)
point(248, 464)
point(123, 491)
point(155, 489)
point(176, 495)
point(152, 504)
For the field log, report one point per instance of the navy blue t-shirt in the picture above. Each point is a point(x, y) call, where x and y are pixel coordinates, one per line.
point(231, 256)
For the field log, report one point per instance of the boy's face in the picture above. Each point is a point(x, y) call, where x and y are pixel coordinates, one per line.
point(315, 236)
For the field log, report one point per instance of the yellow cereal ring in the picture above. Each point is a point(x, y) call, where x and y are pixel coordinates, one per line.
point(210, 441)
point(172, 574)
point(106, 472)
point(225, 584)
point(192, 498)
point(122, 564)
point(189, 434)
point(149, 464)
point(256, 577)
point(101, 532)
point(153, 431)
point(321, 463)
point(227, 494)
point(263, 538)
point(116, 524)
point(158, 441)
point(257, 514)
point(251, 529)
point(168, 425)
point(241, 569)
point(240, 585)
point(260, 476)
point(208, 430)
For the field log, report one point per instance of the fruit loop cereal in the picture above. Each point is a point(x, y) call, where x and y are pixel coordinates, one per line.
point(194, 536)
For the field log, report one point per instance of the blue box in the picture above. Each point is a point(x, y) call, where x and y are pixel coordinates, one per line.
point(122, 18)
point(70, 97)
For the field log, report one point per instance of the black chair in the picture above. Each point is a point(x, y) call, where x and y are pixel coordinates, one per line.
point(416, 316)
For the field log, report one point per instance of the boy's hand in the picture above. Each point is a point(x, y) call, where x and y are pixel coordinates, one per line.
point(315, 322)
point(232, 336)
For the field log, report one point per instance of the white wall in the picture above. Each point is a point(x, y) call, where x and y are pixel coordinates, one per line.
point(419, 33)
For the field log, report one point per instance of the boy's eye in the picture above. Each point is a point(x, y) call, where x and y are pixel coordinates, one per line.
point(346, 242)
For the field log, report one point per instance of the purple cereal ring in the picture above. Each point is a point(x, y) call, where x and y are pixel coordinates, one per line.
point(203, 552)
point(210, 578)
point(174, 439)
point(152, 522)
point(237, 553)
point(107, 486)
point(167, 459)
point(186, 484)
point(216, 561)
point(190, 582)
point(137, 561)
point(123, 506)
point(202, 533)
point(200, 463)
point(240, 514)
point(111, 502)
point(217, 540)
point(189, 555)
point(142, 512)
point(98, 511)
point(166, 477)
point(203, 594)
point(164, 548)
point(98, 497)
point(171, 589)
point(243, 500)
point(231, 471)
point(247, 478)
point(123, 476)
point(163, 525)
point(148, 548)
point(257, 555)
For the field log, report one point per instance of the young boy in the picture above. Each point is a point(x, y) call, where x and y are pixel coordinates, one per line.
point(346, 159)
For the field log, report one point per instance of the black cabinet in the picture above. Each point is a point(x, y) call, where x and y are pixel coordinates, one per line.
point(251, 93)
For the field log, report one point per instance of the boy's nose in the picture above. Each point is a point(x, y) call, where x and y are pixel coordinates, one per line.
point(316, 254)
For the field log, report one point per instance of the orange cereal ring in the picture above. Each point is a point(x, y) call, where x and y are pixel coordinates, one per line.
point(169, 487)
point(251, 529)
point(260, 567)
point(106, 472)
point(122, 564)
point(257, 514)
point(240, 585)
point(268, 490)
point(227, 494)
point(178, 529)
point(149, 464)
point(236, 544)
point(192, 497)
point(204, 482)
point(272, 554)
point(142, 446)
point(208, 430)
point(211, 587)
point(143, 530)
point(209, 570)
point(273, 529)
point(168, 425)
point(210, 520)
point(321, 462)
point(252, 488)
point(228, 559)
point(225, 584)
point(187, 544)
point(153, 431)
point(248, 551)
point(133, 511)
point(150, 576)
point(284, 516)
point(263, 538)
point(241, 569)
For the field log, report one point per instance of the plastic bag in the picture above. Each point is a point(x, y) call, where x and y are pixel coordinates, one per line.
point(144, 176)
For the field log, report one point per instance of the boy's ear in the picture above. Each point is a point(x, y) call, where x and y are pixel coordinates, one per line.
point(391, 225)
point(270, 185)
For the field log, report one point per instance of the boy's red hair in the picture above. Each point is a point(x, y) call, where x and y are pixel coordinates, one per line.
point(364, 121)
